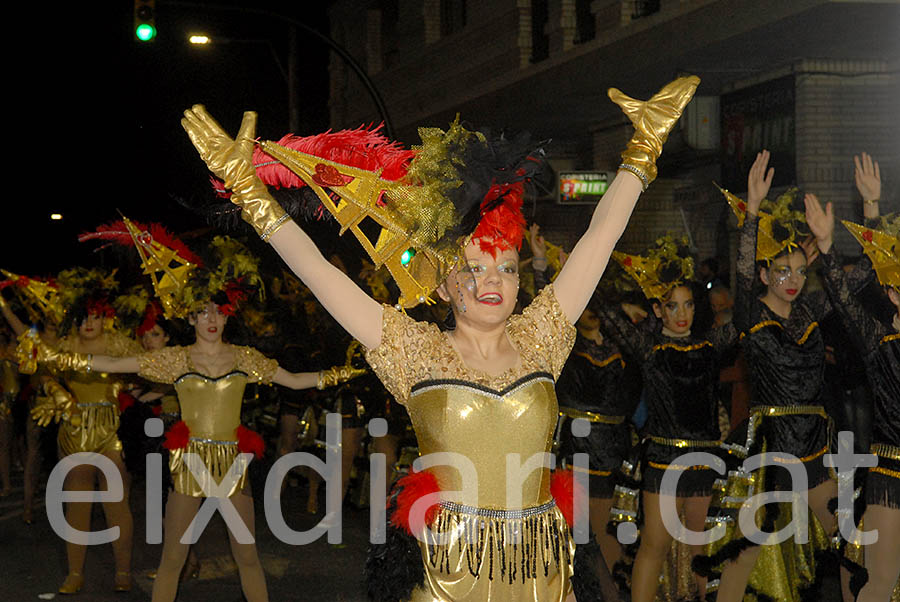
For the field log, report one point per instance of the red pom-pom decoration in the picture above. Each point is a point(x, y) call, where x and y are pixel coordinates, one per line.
point(249, 442)
point(177, 437)
point(126, 400)
point(412, 487)
point(565, 491)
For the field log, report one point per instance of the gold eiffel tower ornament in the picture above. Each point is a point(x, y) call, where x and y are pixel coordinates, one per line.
point(167, 270)
point(40, 298)
point(403, 243)
point(883, 250)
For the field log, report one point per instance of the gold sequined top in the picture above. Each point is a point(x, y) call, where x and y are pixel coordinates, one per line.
point(168, 364)
point(99, 387)
point(412, 352)
point(484, 419)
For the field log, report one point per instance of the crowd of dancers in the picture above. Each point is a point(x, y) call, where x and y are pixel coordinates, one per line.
point(478, 353)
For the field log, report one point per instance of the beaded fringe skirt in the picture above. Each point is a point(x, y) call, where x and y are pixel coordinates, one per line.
point(480, 554)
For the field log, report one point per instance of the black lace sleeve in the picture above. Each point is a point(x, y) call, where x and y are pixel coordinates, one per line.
point(723, 337)
point(745, 300)
point(636, 340)
point(863, 329)
point(819, 303)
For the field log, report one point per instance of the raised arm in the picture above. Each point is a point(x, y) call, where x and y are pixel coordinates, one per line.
point(33, 351)
point(11, 318)
point(652, 121)
point(232, 161)
point(352, 307)
point(868, 182)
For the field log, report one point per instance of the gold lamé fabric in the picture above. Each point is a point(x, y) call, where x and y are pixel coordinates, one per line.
point(459, 409)
point(97, 396)
point(483, 562)
point(211, 409)
point(781, 571)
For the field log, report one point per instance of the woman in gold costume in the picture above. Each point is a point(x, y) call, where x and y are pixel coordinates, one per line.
point(482, 393)
point(209, 377)
point(32, 430)
point(88, 409)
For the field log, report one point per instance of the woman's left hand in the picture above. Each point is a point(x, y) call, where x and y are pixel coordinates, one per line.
point(821, 222)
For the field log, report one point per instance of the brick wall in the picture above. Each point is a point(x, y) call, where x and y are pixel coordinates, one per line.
point(843, 109)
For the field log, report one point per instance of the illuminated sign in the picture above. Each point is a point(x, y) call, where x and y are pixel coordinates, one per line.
point(582, 187)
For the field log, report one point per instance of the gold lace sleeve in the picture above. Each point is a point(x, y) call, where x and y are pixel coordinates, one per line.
point(543, 331)
point(402, 358)
point(119, 345)
point(163, 365)
point(258, 367)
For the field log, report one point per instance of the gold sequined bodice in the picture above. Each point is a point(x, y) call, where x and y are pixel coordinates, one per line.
point(94, 387)
point(211, 407)
point(498, 432)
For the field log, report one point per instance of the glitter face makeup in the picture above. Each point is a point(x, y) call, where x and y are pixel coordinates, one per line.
point(787, 275)
point(486, 285)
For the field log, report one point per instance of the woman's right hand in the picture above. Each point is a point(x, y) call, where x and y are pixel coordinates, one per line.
point(536, 242)
point(228, 159)
point(759, 181)
point(635, 313)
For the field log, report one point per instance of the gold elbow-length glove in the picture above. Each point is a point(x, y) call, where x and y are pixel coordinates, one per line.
point(32, 351)
point(653, 120)
point(337, 375)
point(58, 405)
point(232, 161)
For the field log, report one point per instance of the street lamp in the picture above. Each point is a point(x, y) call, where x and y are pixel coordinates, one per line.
point(292, 55)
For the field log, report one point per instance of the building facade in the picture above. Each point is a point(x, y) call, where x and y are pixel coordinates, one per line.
point(814, 81)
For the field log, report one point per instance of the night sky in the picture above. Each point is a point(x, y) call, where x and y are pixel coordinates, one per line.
point(96, 125)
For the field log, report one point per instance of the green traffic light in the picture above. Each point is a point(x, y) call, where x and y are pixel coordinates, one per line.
point(145, 32)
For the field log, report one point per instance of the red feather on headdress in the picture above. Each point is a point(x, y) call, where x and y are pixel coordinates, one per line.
point(117, 232)
point(365, 148)
point(151, 315)
point(503, 226)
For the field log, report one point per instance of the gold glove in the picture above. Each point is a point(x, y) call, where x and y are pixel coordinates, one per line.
point(32, 351)
point(652, 120)
point(232, 161)
point(59, 404)
point(337, 375)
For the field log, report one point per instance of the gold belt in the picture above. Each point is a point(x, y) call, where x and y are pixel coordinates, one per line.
point(591, 416)
point(884, 450)
point(788, 410)
point(683, 442)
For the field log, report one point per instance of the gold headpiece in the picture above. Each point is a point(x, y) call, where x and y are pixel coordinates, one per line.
point(668, 264)
point(416, 218)
point(168, 271)
point(883, 250)
point(40, 298)
point(778, 226)
point(459, 185)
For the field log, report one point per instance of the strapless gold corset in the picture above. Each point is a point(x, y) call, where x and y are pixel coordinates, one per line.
point(486, 426)
point(211, 407)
